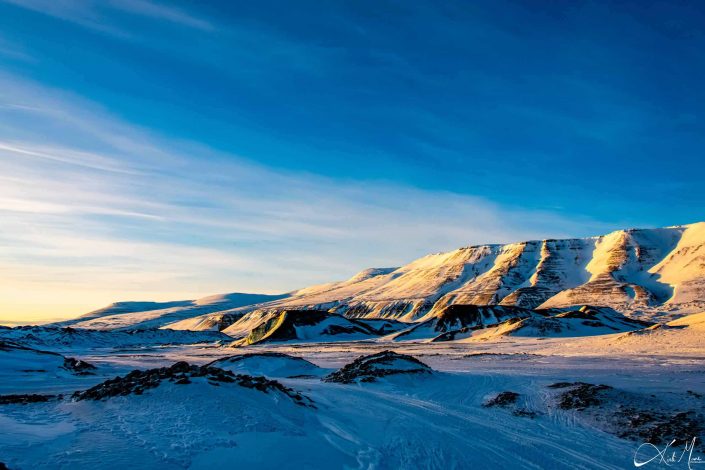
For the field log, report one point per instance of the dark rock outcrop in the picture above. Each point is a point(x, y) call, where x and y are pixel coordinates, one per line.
point(508, 400)
point(458, 316)
point(502, 399)
point(78, 366)
point(579, 395)
point(24, 399)
point(283, 326)
point(383, 364)
point(182, 373)
point(630, 415)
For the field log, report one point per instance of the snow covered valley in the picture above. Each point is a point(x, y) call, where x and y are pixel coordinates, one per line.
point(509, 402)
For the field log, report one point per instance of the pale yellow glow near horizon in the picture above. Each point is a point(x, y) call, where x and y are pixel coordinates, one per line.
point(24, 303)
point(90, 217)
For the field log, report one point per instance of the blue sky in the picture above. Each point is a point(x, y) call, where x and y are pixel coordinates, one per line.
point(167, 150)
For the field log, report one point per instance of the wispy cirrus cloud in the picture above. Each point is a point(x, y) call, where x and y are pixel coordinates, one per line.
point(95, 210)
point(162, 12)
point(14, 51)
point(101, 15)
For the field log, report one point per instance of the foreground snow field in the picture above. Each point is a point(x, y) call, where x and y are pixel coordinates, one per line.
point(582, 353)
point(449, 418)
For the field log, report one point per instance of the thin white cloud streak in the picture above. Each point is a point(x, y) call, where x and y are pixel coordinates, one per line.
point(14, 51)
point(255, 48)
point(115, 212)
point(64, 155)
point(162, 12)
point(99, 15)
point(81, 12)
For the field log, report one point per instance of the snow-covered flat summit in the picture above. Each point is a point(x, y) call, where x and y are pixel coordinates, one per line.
point(651, 273)
point(645, 273)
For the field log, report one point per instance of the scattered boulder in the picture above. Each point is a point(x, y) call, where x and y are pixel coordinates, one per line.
point(658, 427)
point(509, 399)
point(502, 399)
point(579, 395)
point(183, 373)
point(370, 368)
point(632, 416)
point(78, 366)
point(524, 413)
point(23, 400)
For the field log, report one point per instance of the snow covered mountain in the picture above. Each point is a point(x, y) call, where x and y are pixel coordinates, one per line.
point(633, 271)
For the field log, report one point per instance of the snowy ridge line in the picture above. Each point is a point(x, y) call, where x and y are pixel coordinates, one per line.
point(644, 273)
point(641, 272)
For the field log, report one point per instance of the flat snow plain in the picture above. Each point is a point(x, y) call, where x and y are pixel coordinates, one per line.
point(407, 421)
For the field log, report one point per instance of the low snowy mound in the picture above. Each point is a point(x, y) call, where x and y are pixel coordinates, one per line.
point(15, 358)
point(633, 416)
point(182, 373)
point(210, 322)
point(308, 325)
point(586, 321)
point(695, 322)
point(268, 364)
point(684, 336)
point(202, 424)
point(46, 337)
point(457, 321)
point(384, 326)
point(383, 364)
point(142, 315)
point(686, 326)
point(118, 308)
